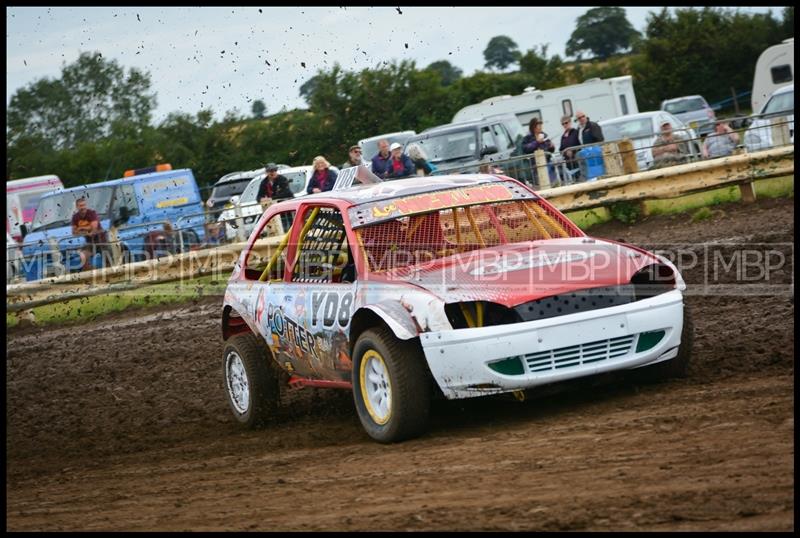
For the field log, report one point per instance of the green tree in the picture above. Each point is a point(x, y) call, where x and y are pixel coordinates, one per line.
point(80, 106)
point(501, 52)
point(603, 31)
point(544, 72)
point(788, 21)
point(308, 87)
point(447, 71)
point(259, 109)
point(705, 51)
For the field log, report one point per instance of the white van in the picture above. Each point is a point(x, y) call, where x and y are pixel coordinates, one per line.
point(22, 198)
point(599, 99)
point(775, 68)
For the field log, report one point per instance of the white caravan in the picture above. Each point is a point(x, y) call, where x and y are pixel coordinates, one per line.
point(775, 68)
point(600, 99)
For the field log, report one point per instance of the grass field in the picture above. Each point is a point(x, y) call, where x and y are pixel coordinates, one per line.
point(779, 187)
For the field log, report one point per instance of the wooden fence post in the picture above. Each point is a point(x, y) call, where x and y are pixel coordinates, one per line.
point(541, 169)
point(629, 163)
point(612, 160)
point(116, 251)
point(747, 190)
point(780, 132)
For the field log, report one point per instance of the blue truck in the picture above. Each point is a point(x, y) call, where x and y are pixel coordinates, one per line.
point(134, 206)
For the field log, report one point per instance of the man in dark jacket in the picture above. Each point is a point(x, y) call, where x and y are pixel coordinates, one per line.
point(381, 159)
point(274, 186)
point(400, 165)
point(588, 131)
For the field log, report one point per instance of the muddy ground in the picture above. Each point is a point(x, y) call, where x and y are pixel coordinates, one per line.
point(121, 424)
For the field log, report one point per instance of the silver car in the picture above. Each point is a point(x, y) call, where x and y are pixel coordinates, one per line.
point(779, 108)
point(692, 110)
point(643, 128)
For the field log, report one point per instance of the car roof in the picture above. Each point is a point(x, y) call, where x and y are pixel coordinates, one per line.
point(115, 182)
point(681, 98)
point(386, 190)
point(637, 116)
point(241, 175)
point(784, 89)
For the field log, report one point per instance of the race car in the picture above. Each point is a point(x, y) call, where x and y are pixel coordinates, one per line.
point(459, 286)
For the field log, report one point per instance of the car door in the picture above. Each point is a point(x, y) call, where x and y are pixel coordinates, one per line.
point(261, 294)
point(320, 290)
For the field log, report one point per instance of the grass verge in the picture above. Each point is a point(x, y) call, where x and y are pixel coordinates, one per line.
point(87, 308)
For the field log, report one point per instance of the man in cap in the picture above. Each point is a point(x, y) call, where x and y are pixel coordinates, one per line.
point(400, 164)
point(354, 158)
point(274, 186)
point(669, 148)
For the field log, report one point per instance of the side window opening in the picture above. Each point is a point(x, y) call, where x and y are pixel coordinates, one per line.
point(125, 196)
point(566, 107)
point(781, 74)
point(623, 102)
point(323, 253)
point(502, 136)
point(260, 263)
point(486, 138)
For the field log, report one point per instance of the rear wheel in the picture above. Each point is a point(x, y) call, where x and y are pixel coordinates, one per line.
point(251, 384)
point(391, 386)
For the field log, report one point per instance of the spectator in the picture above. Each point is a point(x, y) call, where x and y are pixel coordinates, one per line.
point(354, 158)
point(537, 139)
point(160, 242)
point(589, 132)
point(400, 165)
point(274, 186)
point(722, 142)
point(86, 223)
point(420, 160)
point(323, 178)
point(380, 161)
point(669, 148)
point(569, 139)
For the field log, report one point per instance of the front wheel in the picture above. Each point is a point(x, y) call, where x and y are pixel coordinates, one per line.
point(391, 386)
point(251, 384)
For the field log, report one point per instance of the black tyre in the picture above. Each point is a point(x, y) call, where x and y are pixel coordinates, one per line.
point(679, 366)
point(251, 383)
point(391, 386)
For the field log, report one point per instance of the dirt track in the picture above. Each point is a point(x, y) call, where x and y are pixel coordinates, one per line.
point(121, 424)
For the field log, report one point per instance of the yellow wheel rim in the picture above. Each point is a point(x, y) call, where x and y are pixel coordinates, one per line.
point(376, 387)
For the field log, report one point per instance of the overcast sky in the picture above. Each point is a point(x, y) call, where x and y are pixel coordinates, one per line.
point(225, 58)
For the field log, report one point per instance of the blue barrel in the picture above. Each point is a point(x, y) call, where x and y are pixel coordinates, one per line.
point(591, 162)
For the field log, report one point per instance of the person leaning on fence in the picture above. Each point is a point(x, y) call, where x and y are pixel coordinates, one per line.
point(535, 140)
point(86, 223)
point(400, 165)
point(669, 148)
point(274, 186)
point(381, 159)
point(323, 178)
point(589, 132)
point(354, 158)
point(569, 139)
point(722, 142)
point(420, 160)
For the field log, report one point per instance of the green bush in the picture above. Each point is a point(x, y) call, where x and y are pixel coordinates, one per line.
point(702, 214)
point(626, 212)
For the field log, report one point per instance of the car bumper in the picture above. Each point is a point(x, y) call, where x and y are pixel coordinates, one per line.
point(554, 349)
